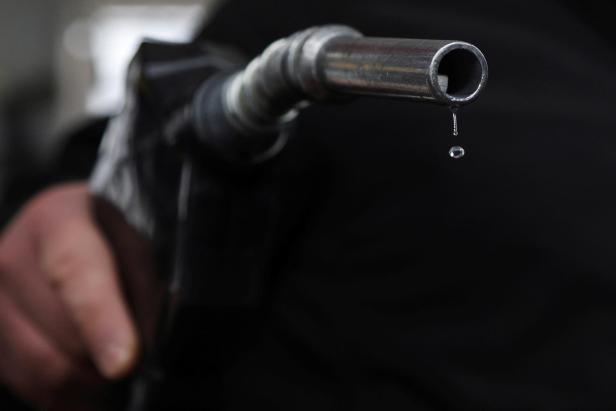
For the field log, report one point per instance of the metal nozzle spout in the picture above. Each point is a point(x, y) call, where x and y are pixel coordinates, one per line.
point(466, 69)
point(445, 72)
point(339, 60)
point(325, 62)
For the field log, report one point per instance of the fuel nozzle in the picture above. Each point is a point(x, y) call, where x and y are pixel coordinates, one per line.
point(241, 112)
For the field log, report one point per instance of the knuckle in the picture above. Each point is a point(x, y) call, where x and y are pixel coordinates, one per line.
point(78, 284)
point(56, 194)
point(52, 208)
point(62, 266)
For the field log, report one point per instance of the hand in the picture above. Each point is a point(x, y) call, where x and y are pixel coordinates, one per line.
point(63, 319)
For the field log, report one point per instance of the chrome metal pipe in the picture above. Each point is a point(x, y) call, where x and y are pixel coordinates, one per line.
point(326, 62)
point(440, 71)
point(322, 62)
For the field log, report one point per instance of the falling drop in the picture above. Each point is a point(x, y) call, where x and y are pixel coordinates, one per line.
point(456, 152)
point(454, 113)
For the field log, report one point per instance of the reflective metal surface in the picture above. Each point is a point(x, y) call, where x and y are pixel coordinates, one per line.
point(405, 68)
point(323, 62)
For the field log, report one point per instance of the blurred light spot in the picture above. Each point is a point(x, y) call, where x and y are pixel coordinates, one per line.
point(76, 39)
point(115, 33)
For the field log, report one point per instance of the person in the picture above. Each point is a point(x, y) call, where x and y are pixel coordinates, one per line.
point(409, 280)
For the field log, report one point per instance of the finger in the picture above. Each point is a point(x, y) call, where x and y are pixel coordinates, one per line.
point(29, 363)
point(79, 264)
point(37, 300)
point(30, 290)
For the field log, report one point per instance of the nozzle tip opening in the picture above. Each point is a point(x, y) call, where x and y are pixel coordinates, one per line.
point(466, 70)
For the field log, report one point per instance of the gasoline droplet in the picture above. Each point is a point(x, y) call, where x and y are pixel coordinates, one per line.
point(454, 113)
point(456, 152)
